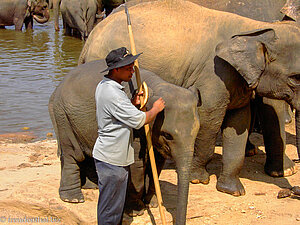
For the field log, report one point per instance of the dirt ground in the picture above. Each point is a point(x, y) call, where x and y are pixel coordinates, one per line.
point(30, 175)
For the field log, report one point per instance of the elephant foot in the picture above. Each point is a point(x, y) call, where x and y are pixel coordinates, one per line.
point(72, 196)
point(275, 170)
point(232, 186)
point(288, 118)
point(199, 175)
point(251, 149)
point(134, 208)
point(296, 190)
point(151, 201)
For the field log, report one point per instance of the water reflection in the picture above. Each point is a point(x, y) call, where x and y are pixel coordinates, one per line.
point(32, 65)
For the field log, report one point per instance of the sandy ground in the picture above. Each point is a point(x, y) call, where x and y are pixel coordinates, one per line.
point(30, 175)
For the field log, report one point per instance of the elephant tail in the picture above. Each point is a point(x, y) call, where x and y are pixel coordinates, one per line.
point(82, 56)
point(52, 117)
point(297, 121)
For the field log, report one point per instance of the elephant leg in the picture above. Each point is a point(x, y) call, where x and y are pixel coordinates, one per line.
point(235, 133)
point(272, 118)
point(70, 185)
point(205, 144)
point(134, 205)
point(71, 156)
point(18, 24)
point(150, 199)
point(251, 149)
point(56, 8)
point(28, 23)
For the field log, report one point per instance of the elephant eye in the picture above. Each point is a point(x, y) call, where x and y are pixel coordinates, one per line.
point(167, 136)
point(295, 79)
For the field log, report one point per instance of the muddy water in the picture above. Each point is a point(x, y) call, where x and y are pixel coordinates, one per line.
point(32, 63)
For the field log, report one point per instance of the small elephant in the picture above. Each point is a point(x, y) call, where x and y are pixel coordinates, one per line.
point(74, 18)
point(73, 113)
point(78, 16)
point(19, 12)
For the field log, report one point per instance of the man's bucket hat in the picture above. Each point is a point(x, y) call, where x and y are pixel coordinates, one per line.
point(118, 58)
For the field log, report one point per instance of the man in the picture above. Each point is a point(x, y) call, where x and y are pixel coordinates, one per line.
point(116, 116)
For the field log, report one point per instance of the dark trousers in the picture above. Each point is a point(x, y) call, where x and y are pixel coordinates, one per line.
point(112, 182)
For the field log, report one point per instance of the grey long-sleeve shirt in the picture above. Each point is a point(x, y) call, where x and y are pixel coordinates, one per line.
point(116, 116)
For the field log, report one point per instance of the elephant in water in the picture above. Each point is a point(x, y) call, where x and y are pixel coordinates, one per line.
point(104, 8)
point(224, 57)
point(73, 113)
point(78, 16)
point(17, 12)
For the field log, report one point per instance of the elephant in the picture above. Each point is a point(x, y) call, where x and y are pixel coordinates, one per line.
point(73, 113)
point(104, 8)
point(268, 11)
point(78, 16)
point(19, 12)
point(224, 57)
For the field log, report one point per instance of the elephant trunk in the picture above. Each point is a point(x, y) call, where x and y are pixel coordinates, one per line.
point(43, 19)
point(183, 164)
point(297, 121)
point(182, 195)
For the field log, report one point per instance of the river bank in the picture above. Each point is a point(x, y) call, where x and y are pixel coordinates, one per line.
point(30, 175)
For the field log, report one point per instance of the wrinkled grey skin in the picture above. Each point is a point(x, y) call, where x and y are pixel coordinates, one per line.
point(265, 61)
point(78, 16)
point(19, 12)
point(72, 111)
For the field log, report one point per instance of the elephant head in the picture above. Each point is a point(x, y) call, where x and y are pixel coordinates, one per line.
point(39, 10)
point(174, 130)
point(262, 60)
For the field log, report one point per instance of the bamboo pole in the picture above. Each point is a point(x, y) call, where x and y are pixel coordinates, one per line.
point(147, 128)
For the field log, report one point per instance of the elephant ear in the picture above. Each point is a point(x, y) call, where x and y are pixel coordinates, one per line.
point(248, 53)
point(292, 9)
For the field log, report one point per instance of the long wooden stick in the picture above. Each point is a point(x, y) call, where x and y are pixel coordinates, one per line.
point(147, 128)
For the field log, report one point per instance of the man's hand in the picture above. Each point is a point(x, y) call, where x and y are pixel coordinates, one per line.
point(157, 107)
point(136, 98)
